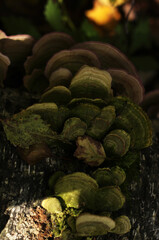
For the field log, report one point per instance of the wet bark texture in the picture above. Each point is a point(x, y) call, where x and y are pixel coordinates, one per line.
point(22, 186)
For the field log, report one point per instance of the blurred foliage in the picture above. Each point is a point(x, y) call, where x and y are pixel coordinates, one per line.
point(19, 25)
point(140, 37)
point(137, 44)
point(53, 15)
point(113, 2)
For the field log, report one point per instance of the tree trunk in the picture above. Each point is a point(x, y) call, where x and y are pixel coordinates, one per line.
point(22, 186)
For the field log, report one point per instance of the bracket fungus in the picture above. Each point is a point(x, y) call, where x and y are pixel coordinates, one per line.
point(122, 225)
point(109, 198)
point(108, 127)
point(91, 83)
point(86, 95)
point(150, 104)
point(16, 47)
point(93, 225)
point(107, 177)
point(79, 193)
point(117, 142)
point(76, 189)
point(4, 63)
point(52, 205)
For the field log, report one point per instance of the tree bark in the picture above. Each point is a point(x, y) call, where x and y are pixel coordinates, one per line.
point(22, 186)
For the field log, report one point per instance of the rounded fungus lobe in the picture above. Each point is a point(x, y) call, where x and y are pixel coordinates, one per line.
point(92, 225)
point(119, 175)
point(45, 110)
point(2, 34)
point(127, 85)
point(60, 77)
point(108, 177)
point(108, 55)
point(72, 60)
point(117, 142)
point(109, 198)
point(36, 82)
point(4, 63)
point(133, 120)
point(85, 111)
point(122, 225)
point(73, 128)
point(16, 47)
point(97, 102)
point(59, 95)
point(53, 179)
point(91, 82)
point(101, 124)
point(76, 189)
point(150, 103)
point(52, 205)
point(51, 113)
point(45, 48)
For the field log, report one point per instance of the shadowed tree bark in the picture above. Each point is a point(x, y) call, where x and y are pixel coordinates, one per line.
point(22, 187)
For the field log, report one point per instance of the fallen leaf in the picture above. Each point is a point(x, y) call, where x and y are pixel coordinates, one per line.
point(90, 150)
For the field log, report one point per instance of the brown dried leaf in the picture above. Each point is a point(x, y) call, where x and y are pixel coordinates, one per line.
point(89, 150)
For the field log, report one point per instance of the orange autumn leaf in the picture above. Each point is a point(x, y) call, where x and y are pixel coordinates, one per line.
point(103, 15)
point(114, 3)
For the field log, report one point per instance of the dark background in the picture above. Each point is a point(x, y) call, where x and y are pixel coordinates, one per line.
point(132, 27)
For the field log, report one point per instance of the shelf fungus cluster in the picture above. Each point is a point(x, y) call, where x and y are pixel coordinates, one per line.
point(103, 127)
point(87, 96)
point(56, 58)
point(73, 204)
